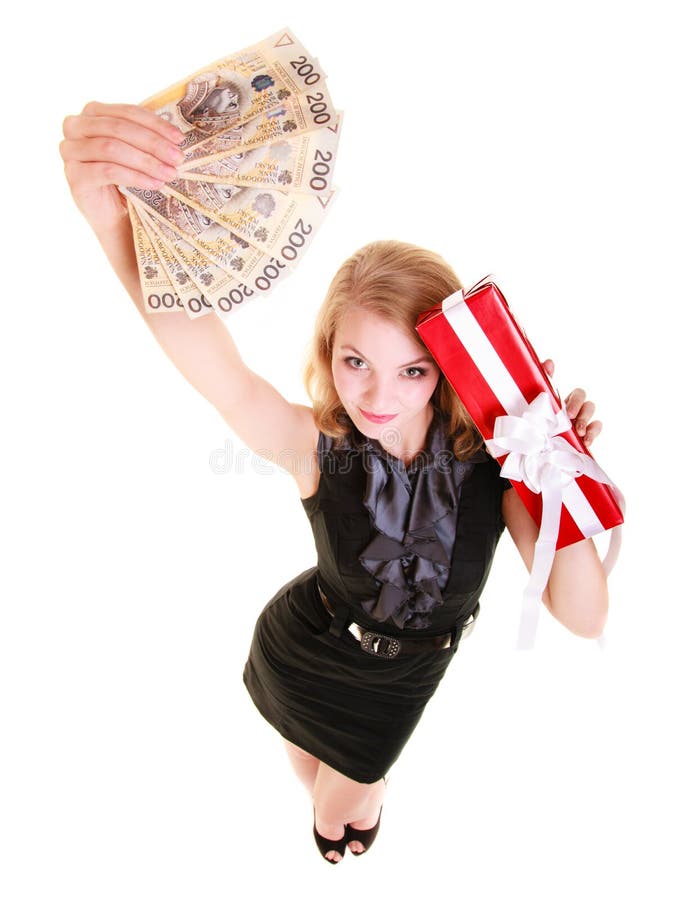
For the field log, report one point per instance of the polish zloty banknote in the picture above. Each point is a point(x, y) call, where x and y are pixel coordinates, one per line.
point(301, 163)
point(254, 269)
point(207, 244)
point(245, 85)
point(192, 298)
point(258, 216)
point(299, 114)
point(194, 227)
point(235, 256)
point(156, 286)
point(165, 284)
point(215, 288)
point(264, 272)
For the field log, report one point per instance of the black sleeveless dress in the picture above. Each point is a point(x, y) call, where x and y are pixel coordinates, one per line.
point(403, 551)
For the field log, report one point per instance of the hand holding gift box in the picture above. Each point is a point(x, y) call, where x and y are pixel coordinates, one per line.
point(493, 368)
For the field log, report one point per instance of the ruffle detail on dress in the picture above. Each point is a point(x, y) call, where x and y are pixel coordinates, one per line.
point(414, 512)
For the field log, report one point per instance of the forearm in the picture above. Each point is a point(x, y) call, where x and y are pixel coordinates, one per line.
point(118, 245)
point(577, 592)
point(202, 349)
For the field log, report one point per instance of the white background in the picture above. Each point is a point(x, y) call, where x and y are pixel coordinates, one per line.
point(525, 139)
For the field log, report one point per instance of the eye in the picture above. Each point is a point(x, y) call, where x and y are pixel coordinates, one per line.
point(419, 373)
point(352, 360)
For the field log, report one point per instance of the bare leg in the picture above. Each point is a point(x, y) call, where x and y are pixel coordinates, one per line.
point(339, 801)
point(304, 764)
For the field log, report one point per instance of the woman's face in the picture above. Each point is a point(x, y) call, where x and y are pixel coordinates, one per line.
point(380, 370)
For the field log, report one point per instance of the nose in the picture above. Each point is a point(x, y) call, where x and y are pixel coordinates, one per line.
point(378, 397)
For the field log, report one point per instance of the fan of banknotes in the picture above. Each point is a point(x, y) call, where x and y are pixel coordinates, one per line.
point(260, 142)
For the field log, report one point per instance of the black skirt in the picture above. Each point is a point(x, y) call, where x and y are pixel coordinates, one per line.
point(352, 710)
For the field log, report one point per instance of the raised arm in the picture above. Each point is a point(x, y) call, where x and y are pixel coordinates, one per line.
point(110, 144)
point(576, 593)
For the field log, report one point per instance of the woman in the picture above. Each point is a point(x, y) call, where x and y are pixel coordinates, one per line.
point(405, 505)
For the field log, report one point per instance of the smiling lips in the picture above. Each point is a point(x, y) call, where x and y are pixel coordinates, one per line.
point(378, 420)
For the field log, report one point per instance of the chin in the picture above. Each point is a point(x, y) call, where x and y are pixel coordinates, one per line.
point(370, 429)
point(387, 433)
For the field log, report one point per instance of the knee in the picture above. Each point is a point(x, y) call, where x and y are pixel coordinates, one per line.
point(338, 798)
point(330, 812)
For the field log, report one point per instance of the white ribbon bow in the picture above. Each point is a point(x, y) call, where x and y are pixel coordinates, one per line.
point(546, 464)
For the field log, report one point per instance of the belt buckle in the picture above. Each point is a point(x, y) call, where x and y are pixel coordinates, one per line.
point(380, 644)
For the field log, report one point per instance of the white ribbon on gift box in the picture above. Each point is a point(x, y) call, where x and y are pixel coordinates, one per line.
point(537, 456)
point(548, 465)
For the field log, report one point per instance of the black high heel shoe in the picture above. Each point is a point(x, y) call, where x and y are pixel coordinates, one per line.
point(325, 845)
point(366, 837)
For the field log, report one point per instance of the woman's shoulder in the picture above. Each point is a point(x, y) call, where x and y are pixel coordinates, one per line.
point(317, 452)
point(325, 453)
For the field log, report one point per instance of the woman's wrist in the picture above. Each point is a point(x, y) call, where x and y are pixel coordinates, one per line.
point(116, 239)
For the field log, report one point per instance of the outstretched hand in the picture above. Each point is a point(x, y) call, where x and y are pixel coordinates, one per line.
point(112, 143)
point(579, 409)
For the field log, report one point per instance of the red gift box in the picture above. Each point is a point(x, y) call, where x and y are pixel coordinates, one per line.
point(488, 360)
point(492, 366)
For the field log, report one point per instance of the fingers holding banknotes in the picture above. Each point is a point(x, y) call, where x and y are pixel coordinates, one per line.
point(110, 144)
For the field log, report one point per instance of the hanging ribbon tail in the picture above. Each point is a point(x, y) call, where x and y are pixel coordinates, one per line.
point(547, 464)
point(529, 619)
point(544, 554)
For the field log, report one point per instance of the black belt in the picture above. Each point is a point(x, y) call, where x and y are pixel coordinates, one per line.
point(388, 646)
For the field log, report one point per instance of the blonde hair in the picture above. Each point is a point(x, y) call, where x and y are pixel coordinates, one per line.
point(397, 281)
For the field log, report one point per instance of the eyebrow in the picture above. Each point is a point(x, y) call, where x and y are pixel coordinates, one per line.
point(414, 362)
